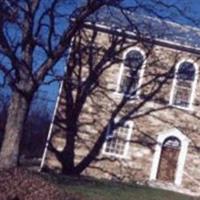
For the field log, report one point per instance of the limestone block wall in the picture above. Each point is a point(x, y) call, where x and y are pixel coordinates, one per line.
point(151, 112)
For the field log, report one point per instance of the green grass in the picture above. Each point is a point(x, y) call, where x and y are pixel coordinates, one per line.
point(91, 189)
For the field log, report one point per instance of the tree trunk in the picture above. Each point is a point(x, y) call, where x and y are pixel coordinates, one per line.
point(17, 114)
point(67, 155)
point(92, 155)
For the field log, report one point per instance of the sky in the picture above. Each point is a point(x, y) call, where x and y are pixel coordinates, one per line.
point(189, 10)
point(168, 8)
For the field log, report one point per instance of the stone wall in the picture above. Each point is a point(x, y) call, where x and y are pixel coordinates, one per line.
point(151, 113)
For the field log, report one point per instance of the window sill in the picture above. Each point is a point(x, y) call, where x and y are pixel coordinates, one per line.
point(113, 156)
point(189, 109)
point(128, 97)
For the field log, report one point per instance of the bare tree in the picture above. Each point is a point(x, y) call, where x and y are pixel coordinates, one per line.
point(86, 88)
point(4, 99)
point(30, 46)
point(36, 127)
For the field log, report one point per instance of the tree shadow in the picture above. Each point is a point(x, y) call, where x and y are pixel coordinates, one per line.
point(91, 103)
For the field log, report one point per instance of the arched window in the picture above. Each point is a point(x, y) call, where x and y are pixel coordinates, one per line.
point(131, 71)
point(184, 85)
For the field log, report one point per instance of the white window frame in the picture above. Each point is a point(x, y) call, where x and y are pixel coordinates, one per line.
point(127, 145)
point(141, 73)
point(194, 84)
point(181, 158)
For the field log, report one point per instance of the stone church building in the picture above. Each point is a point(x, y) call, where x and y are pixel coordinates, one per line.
point(142, 82)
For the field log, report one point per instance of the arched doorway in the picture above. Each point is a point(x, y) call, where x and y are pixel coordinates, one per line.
point(169, 156)
point(169, 159)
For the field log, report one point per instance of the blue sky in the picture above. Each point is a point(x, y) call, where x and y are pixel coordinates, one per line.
point(190, 9)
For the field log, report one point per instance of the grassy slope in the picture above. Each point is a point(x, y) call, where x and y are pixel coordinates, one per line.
point(104, 190)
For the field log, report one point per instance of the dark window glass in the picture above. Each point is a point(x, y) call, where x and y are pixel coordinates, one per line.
point(131, 72)
point(186, 71)
point(184, 82)
point(172, 142)
point(134, 60)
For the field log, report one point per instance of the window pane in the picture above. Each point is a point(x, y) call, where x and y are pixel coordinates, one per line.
point(184, 82)
point(116, 144)
point(186, 71)
point(172, 142)
point(128, 84)
point(130, 77)
point(134, 60)
point(182, 96)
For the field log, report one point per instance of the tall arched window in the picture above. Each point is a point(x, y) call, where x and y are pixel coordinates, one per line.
point(184, 85)
point(131, 72)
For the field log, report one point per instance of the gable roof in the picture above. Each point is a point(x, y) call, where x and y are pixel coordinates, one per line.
point(147, 26)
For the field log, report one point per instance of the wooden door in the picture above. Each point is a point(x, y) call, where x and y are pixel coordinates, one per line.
point(168, 160)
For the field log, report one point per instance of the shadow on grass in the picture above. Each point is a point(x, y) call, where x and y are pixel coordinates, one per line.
point(93, 189)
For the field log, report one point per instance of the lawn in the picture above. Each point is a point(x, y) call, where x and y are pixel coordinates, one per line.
point(91, 189)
